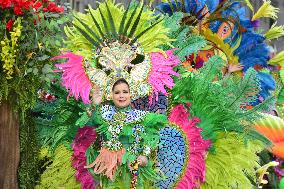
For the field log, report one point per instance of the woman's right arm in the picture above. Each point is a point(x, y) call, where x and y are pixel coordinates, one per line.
point(96, 96)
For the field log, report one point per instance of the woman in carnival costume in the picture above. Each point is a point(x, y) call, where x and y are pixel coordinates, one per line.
point(207, 138)
point(127, 138)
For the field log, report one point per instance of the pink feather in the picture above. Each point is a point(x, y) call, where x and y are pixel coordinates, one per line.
point(162, 70)
point(194, 174)
point(74, 77)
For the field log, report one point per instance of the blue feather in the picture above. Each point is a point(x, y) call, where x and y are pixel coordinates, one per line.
point(212, 5)
point(249, 41)
point(258, 55)
point(165, 8)
point(267, 85)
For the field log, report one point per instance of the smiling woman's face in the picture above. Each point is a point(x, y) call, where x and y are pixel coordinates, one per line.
point(121, 95)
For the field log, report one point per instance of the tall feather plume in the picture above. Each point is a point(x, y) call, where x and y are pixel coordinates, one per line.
point(96, 23)
point(124, 33)
point(121, 27)
point(274, 32)
point(112, 26)
point(105, 24)
point(89, 30)
point(266, 10)
point(135, 24)
point(278, 59)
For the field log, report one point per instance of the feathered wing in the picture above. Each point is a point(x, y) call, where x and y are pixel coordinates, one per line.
point(273, 128)
point(74, 77)
point(194, 173)
point(217, 102)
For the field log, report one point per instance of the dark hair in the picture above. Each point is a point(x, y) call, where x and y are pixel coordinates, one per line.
point(119, 81)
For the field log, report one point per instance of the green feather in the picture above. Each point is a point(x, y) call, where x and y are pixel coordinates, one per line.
point(135, 24)
point(121, 27)
point(60, 173)
point(96, 23)
point(87, 36)
point(218, 102)
point(146, 30)
point(232, 163)
point(89, 29)
point(104, 22)
point(190, 44)
point(112, 26)
point(129, 21)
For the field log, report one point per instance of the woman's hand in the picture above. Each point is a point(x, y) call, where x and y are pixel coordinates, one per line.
point(96, 95)
point(234, 68)
point(143, 160)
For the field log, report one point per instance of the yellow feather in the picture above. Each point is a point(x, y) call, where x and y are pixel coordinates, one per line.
point(224, 47)
point(278, 59)
point(274, 32)
point(233, 160)
point(266, 10)
point(249, 5)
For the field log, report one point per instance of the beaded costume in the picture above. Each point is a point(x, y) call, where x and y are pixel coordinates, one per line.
point(124, 134)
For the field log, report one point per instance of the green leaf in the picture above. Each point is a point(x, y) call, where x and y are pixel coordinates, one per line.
point(35, 71)
point(29, 70)
point(57, 42)
point(44, 57)
point(47, 79)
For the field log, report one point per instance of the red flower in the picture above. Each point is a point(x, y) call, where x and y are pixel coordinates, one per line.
point(20, 5)
point(23, 4)
point(37, 5)
point(5, 3)
point(18, 11)
point(52, 7)
point(60, 9)
point(9, 24)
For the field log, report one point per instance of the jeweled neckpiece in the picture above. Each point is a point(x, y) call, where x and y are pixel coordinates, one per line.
point(115, 128)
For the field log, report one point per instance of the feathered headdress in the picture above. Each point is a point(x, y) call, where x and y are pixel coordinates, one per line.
point(110, 43)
